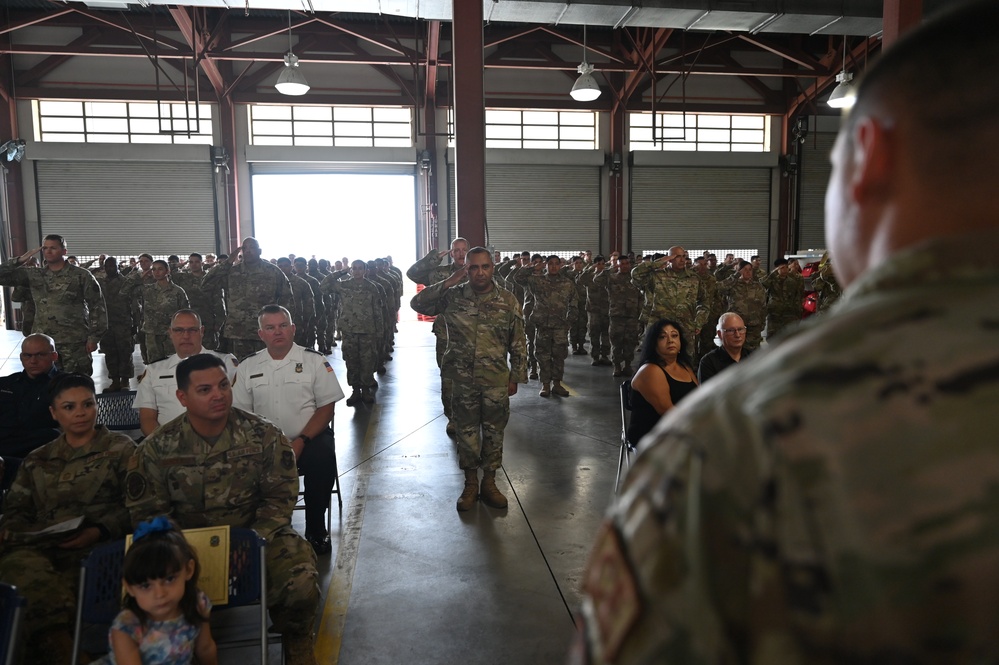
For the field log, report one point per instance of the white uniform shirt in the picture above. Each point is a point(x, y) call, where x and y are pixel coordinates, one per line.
point(158, 386)
point(288, 391)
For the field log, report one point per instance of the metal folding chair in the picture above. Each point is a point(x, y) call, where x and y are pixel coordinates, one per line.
point(627, 447)
point(248, 579)
point(114, 410)
point(300, 503)
point(11, 607)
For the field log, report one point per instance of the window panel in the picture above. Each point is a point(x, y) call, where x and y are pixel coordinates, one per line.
point(272, 140)
point(640, 135)
point(152, 138)
point(576, 134)
point(540, 132)
point(351, 129)
point(195, 139)
point(270, 112)
point(58, 124)
point(47, 107)
point(714, 135)
point(492, 143)
point(301, 128)
point(271, 127)
point(576, 145)
point(747, 121)
point(106, 125)
point(137, 110)
point(387, 114)
point(352, 113)
point(393, 143)
point(64, 138)
point(353, 142)
point(503, 132)
point(394, 130)
point(541, 145)
point(313, 113)
point(713, 147)
point(107, 109)
point(679, 146)
point(107, 138)
point(326, 140)
point(747, 136)
point(541, 117)
point(494, 116)
point(670, 120)
point(747, 147)
point(580, 119)
point(715, 121)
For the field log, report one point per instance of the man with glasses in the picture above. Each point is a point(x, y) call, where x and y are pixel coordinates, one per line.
point(156, 398)
point(25, 420)
point(675, 293)
point(732, 333)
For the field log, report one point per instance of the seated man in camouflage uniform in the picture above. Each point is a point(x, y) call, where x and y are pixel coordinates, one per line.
point(219, 465)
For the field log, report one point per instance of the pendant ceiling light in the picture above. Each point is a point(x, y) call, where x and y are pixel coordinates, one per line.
point(585, 89)
point(291, 80)
point(843, 96)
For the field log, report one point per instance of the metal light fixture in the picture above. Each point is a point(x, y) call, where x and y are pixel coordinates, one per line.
point(843, 96)
point(13, 150)
point(585, 89)
point(291, 81)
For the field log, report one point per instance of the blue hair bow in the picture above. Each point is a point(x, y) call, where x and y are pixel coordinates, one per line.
point(155, 525)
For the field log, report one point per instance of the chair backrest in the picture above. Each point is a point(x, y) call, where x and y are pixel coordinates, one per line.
point(101, 592)
point(625, 392)
point(246, 567)
point(11, 607)
point(114, 410)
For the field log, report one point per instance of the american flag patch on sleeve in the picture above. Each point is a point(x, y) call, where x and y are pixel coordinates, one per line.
point(327, 364)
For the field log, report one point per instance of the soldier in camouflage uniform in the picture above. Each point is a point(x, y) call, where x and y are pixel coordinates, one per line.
point(207, 303)
point(388, 295)
point(301, 267)
point(745, 296)
point(485, 328)
point(217, 465)
point(577, 332)
point(69, 306)
point(531, 263)
point(705, 340)
point(22, 294)
point(427, 271)
point(597, 308)
point(304, 312)
point(785, 292)
point(555, 308)
point(324, 334)
point(160, 299)
point(833, 500)
point(382, 266)
point(117, 344)
point(362, 322)
point(825, 284)
point(624, 307)
point(676, 293)
point(248, 285)
point(333, 306)
point(79, 474)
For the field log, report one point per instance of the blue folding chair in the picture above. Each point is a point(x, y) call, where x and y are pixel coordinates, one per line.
point(627, 447)
point(11, 607)
point(114, 411)
point(98, 599)
point(248, 579)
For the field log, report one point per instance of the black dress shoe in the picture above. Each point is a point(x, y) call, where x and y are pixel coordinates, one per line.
point(320, 544)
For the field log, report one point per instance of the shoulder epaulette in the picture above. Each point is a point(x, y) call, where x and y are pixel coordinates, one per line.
point(313, 351)
point(245, 358)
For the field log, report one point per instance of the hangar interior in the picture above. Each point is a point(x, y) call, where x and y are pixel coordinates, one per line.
point(144, 123)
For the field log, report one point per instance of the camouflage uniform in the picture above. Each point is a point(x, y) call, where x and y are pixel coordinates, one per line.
point(482, 331)
point(597, 307)
point(554, 312)
point(319, 302)
point(706, 340)
point(748, 300)
point(117, 344)
point(830, 501)
point(22, 294)
point(69, 308)
point(247, 478)
point(678, 296)
point(577, 332)
point(826, 286)
point(362, 322)
point(55, 483)
point(247, 289)
point(526, 300)
point(303, 315)
point(388, 314)
point(207, 303)
point(624, 306)
point(159, 304)
point(784, 297)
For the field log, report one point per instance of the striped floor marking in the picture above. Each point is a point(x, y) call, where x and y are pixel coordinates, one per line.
point(330, 636)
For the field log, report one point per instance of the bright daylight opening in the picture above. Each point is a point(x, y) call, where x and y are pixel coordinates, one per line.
point(336, 215)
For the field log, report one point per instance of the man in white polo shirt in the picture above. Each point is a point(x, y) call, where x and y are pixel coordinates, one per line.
point(295, 388)
point(156, 398)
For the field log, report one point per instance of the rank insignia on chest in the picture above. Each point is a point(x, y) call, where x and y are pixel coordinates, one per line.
point(298, 368)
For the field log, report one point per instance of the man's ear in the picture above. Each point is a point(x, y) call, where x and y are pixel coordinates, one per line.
point(873, 159)
point(182, 398)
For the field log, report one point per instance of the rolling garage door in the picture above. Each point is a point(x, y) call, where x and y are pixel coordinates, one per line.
point(815, 170)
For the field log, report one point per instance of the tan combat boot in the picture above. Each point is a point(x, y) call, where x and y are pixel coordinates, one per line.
point(545, 390)
point(298, 650)
point(559, 389)
point(471, 491)
point(489, 493)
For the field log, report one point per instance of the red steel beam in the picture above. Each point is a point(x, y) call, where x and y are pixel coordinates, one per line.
point(34, 19)
point(433, 52)
point(186, 25)
point(899, 16)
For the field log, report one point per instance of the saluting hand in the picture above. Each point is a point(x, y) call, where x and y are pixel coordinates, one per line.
point(27, 255)
point(457, 277)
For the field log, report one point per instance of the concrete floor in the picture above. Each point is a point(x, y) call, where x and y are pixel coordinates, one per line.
point(410, 579)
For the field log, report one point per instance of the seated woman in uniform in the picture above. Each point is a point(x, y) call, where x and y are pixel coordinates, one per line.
point(665, 376)
point(81, 474)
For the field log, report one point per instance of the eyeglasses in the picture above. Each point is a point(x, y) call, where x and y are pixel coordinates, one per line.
point(734, 331)
point(36, 356)
point(185, 331)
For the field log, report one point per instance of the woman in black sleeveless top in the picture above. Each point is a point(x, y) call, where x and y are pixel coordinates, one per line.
point(665, 377)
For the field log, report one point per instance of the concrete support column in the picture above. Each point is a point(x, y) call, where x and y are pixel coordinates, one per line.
point(469, 122)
